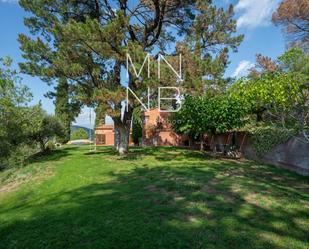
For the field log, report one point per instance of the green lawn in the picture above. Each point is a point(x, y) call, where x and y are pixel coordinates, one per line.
point(154, 198)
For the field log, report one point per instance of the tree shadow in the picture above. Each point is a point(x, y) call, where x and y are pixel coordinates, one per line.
point(54, 155)
point(185, 206)
point(102, 150)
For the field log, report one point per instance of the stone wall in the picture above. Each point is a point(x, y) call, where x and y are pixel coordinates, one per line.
point(293, 155)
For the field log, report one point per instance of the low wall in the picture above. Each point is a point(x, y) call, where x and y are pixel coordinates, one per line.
point(293, 155)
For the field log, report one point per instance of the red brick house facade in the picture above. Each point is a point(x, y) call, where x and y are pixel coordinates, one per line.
point(105, 135)
point(157, 131)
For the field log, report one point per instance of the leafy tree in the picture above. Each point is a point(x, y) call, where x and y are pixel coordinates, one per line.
point(276, 86)
point(47, 128)
point(14, 111)
point(224, 114)
point(200, 115)
point(264, 64)
point(67, 107)
point(267, 91)
point(87, 42)
point(22, 126)
point(79, 134)
point(295, 60)
point(280, 99)
point(292, 15)
point(188, 120)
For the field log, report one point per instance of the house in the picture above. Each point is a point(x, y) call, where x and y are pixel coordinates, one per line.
point(105, 134)
point(157, 131)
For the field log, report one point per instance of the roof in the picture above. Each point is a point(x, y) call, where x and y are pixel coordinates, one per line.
point(104, 127)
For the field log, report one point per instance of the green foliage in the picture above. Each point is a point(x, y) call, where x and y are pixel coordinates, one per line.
point(224, 114)
point(137, 130)
point(66, 107)
point(265, 138)
point(281, 98)
point(23, 127)
point(79, 133)
point(19, 155)
point(188, 120)
point(199, 115)
point(48, 127)
point(269, 91)
point(50, 145)
point(16, 118)
point(87, 42)
point(295, 60)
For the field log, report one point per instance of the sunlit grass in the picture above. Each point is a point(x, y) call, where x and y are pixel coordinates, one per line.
point(153, 198)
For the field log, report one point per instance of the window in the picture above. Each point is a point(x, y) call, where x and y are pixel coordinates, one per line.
point(101, 139)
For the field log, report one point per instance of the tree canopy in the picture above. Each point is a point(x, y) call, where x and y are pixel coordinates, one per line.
point(278, 97)
point(292, 16)
point(87, 42)
point(212, 115)
point(23, 126)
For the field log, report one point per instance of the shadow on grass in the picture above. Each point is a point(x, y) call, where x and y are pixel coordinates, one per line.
point(54, 155)
point(185, 206)
point(163, 154)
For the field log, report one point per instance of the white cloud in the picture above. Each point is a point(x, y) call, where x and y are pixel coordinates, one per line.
point(253, 13)
point(242, 68)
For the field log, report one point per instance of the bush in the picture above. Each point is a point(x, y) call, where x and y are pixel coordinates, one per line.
point(48, 128)
point(50, 145)
point(18, 156)
point(79, 134)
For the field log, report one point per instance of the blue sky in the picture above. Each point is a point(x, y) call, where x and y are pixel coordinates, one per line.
point(253, 19)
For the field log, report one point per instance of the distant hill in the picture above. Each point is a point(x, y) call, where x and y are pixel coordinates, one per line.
point(88, 130)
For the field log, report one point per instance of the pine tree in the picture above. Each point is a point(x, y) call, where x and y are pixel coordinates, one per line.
point(65, 109)
point(292, 16)
point(87, 43)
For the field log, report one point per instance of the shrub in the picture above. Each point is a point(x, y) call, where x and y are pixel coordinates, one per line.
point(19, 156)
point(50, 145)
point(48, 128)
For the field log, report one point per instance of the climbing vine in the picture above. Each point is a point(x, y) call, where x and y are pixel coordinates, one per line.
point(264, 138)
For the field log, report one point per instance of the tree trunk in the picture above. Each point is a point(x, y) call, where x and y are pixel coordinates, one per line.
point(123, 143)
point(67, 131)
point(202, 142)
point(122, 135)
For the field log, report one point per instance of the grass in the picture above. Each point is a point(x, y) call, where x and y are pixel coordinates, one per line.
point(153, 198)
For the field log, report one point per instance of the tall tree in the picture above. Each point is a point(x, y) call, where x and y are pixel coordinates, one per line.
point(264, 64)
point(89, 48)
point(279, 96)
point(14, 114)
point(293, 16)
point(67, 107)
point(214, 115)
